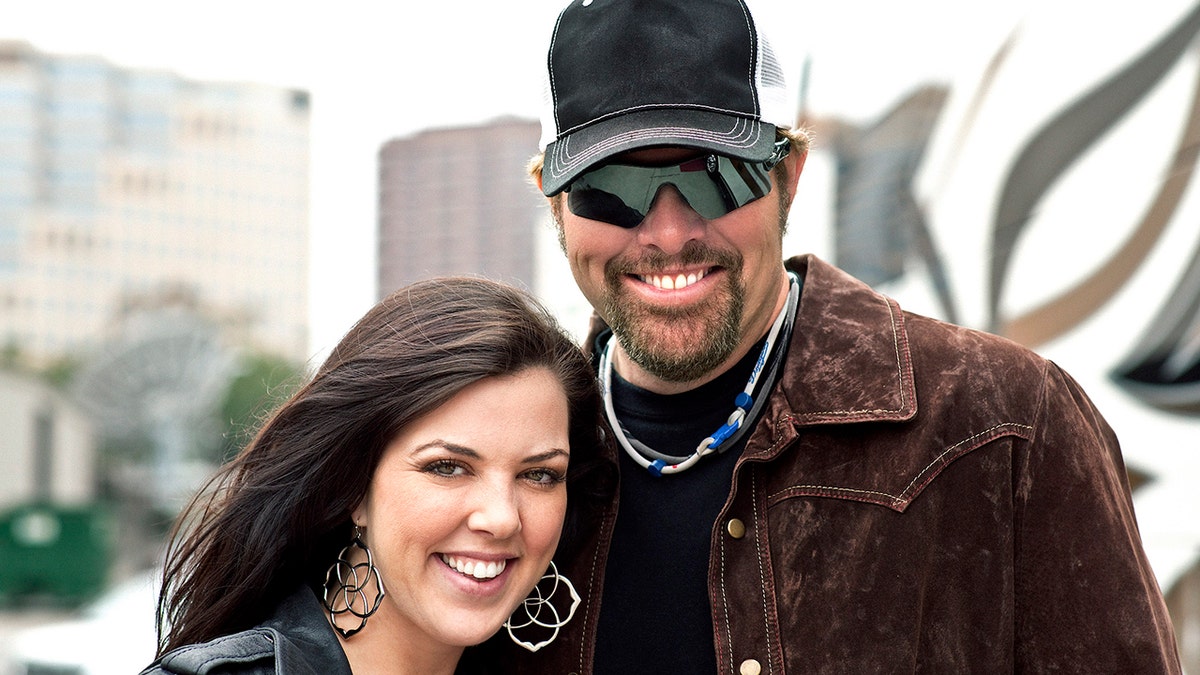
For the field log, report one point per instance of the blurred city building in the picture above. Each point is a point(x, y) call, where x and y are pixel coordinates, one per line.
point(458, 201)
point(54, 538)
point(49, 441)
point(116, 183)
point(153, 241)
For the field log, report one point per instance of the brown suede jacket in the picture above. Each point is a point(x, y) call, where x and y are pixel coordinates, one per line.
point(916, 498)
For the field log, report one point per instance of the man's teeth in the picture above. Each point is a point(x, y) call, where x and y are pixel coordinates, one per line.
point(671, 283)
point(475, 568)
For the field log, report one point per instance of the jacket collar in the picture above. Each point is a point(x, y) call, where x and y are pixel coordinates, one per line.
point(306, 642)
point(296, 640)
point(848, 360)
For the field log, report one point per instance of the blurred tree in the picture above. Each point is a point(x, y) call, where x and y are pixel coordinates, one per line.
point(10, 355)
point(264, 381)
point(61, 372)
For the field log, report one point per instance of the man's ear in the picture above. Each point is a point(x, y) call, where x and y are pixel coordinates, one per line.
point(538, 180)
point(795, 165)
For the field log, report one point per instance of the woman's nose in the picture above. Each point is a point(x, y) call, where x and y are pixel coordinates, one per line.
point(495, 511)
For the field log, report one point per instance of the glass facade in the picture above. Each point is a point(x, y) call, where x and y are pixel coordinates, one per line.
point(117, 185)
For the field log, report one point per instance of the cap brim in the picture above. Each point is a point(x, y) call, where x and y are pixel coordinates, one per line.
point(574, 152)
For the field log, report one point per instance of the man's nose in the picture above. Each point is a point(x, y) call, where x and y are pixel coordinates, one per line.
point(671, 222)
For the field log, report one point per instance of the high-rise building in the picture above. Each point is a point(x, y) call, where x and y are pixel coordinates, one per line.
point(119, 184)
point(459, 201)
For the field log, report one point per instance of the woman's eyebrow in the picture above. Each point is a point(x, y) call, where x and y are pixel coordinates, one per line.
point(446, 445)
point(470, 453)
point(549, 454)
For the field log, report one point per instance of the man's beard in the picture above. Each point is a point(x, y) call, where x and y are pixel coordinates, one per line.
point(677, 344)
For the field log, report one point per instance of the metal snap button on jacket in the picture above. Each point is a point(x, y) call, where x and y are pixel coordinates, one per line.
point(736, 528)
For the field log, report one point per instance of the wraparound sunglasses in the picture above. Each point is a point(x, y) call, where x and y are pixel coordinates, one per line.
point(713, 185)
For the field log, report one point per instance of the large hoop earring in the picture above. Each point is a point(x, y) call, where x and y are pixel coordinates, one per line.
point(540, 601)
point(345, 583)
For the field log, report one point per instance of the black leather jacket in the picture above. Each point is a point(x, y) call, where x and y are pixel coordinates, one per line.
point(296, 640)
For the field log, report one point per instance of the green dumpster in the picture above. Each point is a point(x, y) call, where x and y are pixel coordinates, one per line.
point(61, 554)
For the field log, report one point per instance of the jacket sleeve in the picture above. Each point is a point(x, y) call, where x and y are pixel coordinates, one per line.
point(1086, 597)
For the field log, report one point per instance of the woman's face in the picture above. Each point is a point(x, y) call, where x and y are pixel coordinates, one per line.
point(466, 507)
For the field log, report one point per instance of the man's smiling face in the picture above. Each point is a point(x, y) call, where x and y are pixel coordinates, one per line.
point(683, 294)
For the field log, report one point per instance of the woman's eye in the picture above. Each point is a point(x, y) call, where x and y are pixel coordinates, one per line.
point(445, 468)
point(544, 476)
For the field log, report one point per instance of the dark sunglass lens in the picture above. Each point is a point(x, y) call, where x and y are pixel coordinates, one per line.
point(603, 206)
point(740, 183)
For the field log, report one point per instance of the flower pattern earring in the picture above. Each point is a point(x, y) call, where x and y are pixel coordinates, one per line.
point(347, 585)
point(539, 609)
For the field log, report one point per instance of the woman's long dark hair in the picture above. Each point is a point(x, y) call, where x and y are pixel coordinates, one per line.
point(275, 516)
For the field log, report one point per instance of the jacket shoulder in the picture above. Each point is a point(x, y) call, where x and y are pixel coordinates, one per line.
point(925, 331)
point(250, 652)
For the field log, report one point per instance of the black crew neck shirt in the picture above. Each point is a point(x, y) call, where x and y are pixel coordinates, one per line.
point(655, 615)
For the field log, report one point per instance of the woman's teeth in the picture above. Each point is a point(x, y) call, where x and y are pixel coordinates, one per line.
point(475, 568)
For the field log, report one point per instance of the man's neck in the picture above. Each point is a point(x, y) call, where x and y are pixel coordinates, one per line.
point(756, 327)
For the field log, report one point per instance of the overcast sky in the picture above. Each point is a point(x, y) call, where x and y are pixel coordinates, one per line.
point(381, 70)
